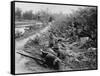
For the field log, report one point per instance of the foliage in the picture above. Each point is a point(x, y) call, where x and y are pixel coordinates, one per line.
point(65, 35)
point(28, 15)
point(18, 34)
point(18, 13)
point(42, 16)
point(32, 42)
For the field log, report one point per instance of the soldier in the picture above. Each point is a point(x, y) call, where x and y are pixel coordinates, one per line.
point(50, 59)
point(50, 39)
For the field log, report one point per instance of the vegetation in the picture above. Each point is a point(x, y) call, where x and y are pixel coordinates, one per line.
point(29, 15)
point(72, 37)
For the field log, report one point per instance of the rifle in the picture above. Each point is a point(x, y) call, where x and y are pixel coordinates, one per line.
point(29, 56)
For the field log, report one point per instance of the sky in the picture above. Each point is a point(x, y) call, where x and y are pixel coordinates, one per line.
point(35, 7)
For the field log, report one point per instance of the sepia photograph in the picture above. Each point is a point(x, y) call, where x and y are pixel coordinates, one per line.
point(54, 37)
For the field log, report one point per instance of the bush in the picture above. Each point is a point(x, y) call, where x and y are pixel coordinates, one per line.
point(32, 42)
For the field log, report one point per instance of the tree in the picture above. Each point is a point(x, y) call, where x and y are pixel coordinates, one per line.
point(86, 20)
point(18, 14)
point(28, 15)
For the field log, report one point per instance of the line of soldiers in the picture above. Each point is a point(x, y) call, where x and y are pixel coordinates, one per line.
point(52, 55)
